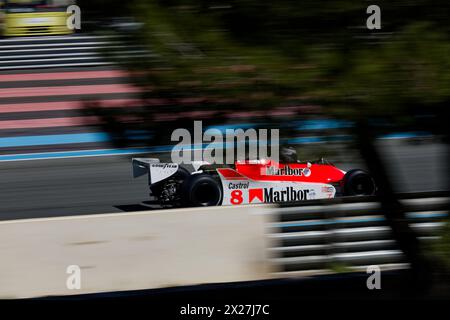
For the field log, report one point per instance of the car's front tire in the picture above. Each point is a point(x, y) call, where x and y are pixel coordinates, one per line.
point(358, 182)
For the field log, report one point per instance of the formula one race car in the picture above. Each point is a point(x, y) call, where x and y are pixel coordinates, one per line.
point(249, 182)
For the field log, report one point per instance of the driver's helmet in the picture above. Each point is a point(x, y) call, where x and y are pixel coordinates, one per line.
point(288, 155)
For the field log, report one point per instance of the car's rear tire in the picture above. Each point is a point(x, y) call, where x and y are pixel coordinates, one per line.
point(201, 190)
point(357, 182)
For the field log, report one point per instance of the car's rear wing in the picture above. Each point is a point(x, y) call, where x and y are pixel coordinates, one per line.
point(156, 171)
point(141, 166)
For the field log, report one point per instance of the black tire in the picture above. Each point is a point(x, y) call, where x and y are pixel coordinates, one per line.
point(358, 183)
point(201, 190)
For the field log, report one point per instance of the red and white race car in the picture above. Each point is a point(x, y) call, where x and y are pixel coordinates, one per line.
point(249, 182)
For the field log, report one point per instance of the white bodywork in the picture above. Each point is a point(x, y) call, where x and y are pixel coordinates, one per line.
point(156, 171)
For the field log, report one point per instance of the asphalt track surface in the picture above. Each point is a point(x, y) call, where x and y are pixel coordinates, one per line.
point(64, 187)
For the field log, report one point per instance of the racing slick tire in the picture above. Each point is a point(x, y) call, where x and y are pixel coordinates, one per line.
point(201, 190)
point(358, 183)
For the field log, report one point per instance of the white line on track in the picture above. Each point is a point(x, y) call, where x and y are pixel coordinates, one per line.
point(48, 60)
point(67, 54)
point(40, 66)
point(58, 44)
point(92, 57)
point(53, 38)
point(79, 156)
point(59, 49)
point(86, 154)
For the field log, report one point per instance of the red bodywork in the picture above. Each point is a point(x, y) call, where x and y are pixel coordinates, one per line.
point(322, 173)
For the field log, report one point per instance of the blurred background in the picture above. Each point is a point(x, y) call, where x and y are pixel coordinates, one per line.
point(137, 70)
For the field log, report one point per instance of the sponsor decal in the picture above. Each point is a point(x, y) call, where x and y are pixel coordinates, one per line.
point(161, 171)
point(270, 195)
point(306, 172)
point(289, 194)
point(238, 185)
point(255, 193)
point(327, 189)
point(285, 171)
point(164, 165)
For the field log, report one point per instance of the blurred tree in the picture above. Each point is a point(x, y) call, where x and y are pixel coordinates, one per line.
point(228, 56)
